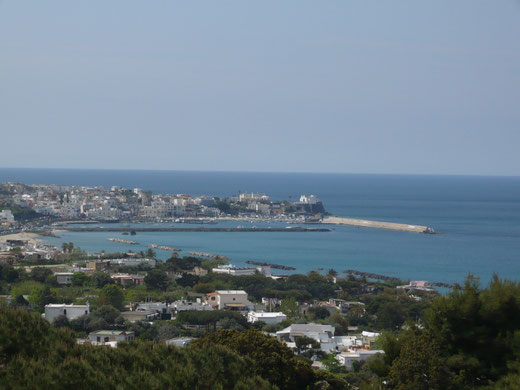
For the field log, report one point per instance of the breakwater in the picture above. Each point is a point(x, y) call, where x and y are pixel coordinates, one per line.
point(164, 248)
point(209, 255)
point(391, 278)
point(199, 229)
point(121, 241)
point(379, 225)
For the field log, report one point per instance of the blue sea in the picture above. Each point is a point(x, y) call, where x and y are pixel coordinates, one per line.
point(479, 218)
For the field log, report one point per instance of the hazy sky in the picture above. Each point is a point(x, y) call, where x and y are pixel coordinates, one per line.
point(333, 86)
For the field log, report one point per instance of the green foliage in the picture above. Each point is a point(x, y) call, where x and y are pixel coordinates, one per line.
point(35, 355)
point(156, 279)
point(290, 308)
point(40, 274)
point(471, 339)
point(80, 279)
point(210, 318)
point(331, 363)
point(420, 365)
point(100, 279)
point(112, 294)
point(269, 358)
point(8, 273)
point(40, 297)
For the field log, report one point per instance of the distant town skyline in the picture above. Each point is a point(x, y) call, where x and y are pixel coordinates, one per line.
point(336, 87)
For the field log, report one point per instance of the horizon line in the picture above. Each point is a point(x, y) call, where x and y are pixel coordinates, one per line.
point(269, 172)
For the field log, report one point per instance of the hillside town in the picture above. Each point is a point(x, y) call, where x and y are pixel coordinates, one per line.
point(26, 202)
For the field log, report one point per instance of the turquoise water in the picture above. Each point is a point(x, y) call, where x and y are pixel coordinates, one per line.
point(478, 216)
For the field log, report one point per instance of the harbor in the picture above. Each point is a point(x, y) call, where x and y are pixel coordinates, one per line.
point(295, 229)
point(379, 225)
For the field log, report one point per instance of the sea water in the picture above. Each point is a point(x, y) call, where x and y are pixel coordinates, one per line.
point(479, 218)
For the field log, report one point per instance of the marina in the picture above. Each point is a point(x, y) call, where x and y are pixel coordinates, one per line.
point(198, 230)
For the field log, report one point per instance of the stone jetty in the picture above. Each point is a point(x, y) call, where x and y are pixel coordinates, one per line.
point(378, 225)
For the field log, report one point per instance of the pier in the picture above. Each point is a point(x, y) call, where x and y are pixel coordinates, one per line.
point(378, 225)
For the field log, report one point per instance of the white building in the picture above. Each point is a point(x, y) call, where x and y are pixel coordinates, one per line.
point(323, 334)
point(252, 197)
point(52, 311)
point(267, 317)
point(131, 262)
point(230, 269)
point(107, 336)
point(309, 199)
point(186, 306)
point(229, 299)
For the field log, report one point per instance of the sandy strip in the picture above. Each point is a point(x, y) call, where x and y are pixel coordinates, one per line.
point(30, 237)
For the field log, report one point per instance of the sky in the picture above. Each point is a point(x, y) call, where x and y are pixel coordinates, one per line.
point(419, 87)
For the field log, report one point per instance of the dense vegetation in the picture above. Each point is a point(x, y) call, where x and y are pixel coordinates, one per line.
point(36, 355)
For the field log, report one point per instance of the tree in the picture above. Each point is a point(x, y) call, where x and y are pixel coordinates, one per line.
point(290, 308)
point(269, 358)
point(420, 366)
point(40, 274)
point(80, 279)
point(108, 313)
point(40, 297)
point(61, 322)
point(331, 363)
point(112, 295)
point(156, 279)
point(304, 343)
point(150, 253)
point(100, 279)
point(390, 315)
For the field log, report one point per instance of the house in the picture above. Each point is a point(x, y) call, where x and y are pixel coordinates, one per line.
point(52, 311)
point(369, 338)
point(232, 270)
point(163, 309)
point(268, 318)
point(106, 336)
point(323, 334)
point(419, 285)
point(64, 277)
point(230, 300)
point(141, 315)
point(128, 280)
point(182, 305)
point(347, 358)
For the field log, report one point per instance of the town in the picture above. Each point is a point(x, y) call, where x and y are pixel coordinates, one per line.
point(71, 203)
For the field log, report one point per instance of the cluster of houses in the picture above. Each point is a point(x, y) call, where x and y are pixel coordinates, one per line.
point(28, 250)
point(347, 348)
point(99, 203)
